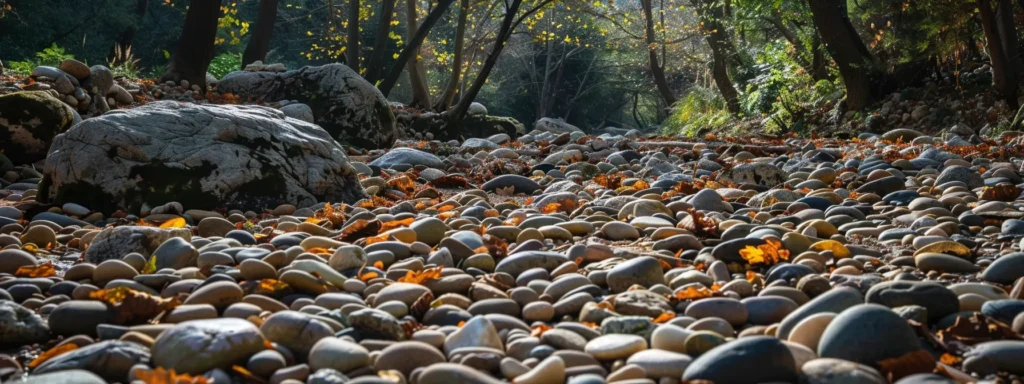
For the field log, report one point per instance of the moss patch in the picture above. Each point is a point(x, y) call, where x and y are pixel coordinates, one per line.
point(36, 112)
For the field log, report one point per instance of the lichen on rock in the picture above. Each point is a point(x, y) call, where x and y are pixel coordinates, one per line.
point(203, 156)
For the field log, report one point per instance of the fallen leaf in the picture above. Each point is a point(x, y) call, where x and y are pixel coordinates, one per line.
point(51, 353)
point(176, 222)
point(664, 317)
point(694, 293)
point(539, 329)
point(150, 267)
point(975, 329)
point(919, 361)
point(385, 226)
point(421, 277)
point(770, 253)
point(42, 270)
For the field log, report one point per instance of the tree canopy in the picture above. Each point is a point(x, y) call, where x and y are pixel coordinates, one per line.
point(678, 64)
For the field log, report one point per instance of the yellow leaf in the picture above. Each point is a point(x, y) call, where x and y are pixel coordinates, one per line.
point(176, 222)
point(150, 266)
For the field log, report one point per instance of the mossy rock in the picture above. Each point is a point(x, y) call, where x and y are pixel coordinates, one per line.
point(348, 107)
point(481, 126)
point(202, 156)
point(28, 123)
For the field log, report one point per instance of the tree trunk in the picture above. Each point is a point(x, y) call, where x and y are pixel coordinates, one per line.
point(657, 69)
point(352, 36)
point(127, 36)
point(856, 64)
point(1008, 39)
point(259, 41)
point(721, 50)
point(458, 112)
point(195, 48)
point(448, 96)
point(412, 47)
point(815, 65)
point(375, 67)
point(417, 75)
point(819, 66)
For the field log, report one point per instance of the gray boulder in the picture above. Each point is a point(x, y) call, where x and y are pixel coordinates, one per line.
point(28, 123)
point(558, 126)
point(348, 107)
point(203, 156)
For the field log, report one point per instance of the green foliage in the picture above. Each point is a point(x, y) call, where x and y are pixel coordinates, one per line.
point(701, 109)
point(124, 63)
point(224, 64)
point(51, 56)
point(783, 93)
point(21, 68)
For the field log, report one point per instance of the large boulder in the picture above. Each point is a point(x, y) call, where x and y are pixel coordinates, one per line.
point(28, 123)
point(203, 156)
point(344, 104)
point(471, 126)
point(557, 126)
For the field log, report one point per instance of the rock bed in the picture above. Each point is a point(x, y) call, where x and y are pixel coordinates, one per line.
point(555, 258)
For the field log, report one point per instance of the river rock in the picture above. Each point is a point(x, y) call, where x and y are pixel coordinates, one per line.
point(845, 338)
point(197, 346)
point(243, 156)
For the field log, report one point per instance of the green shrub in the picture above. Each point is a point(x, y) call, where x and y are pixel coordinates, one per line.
point(700, 109)
point(51, 56)
point(224, 64)
point(124, 63)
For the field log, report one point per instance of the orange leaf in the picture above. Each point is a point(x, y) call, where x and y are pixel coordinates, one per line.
point(664, 317)
point(376, 239)
point(41, 270)
point(384, 227)
point(51, 353)
point(949, 359)
point(919, 361)
point(461, 323)
point(539, 329)
point(751, 277)
point(176, 222)
point(364, 277)
point(551, 208)
point(694, 293)
point(640, 185)
point(320, 251)
point(421, 277)
point(402, 183)
point(378, 264)
point(163, 376)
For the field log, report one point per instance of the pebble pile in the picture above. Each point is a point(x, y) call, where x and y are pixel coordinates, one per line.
point(555, 258)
